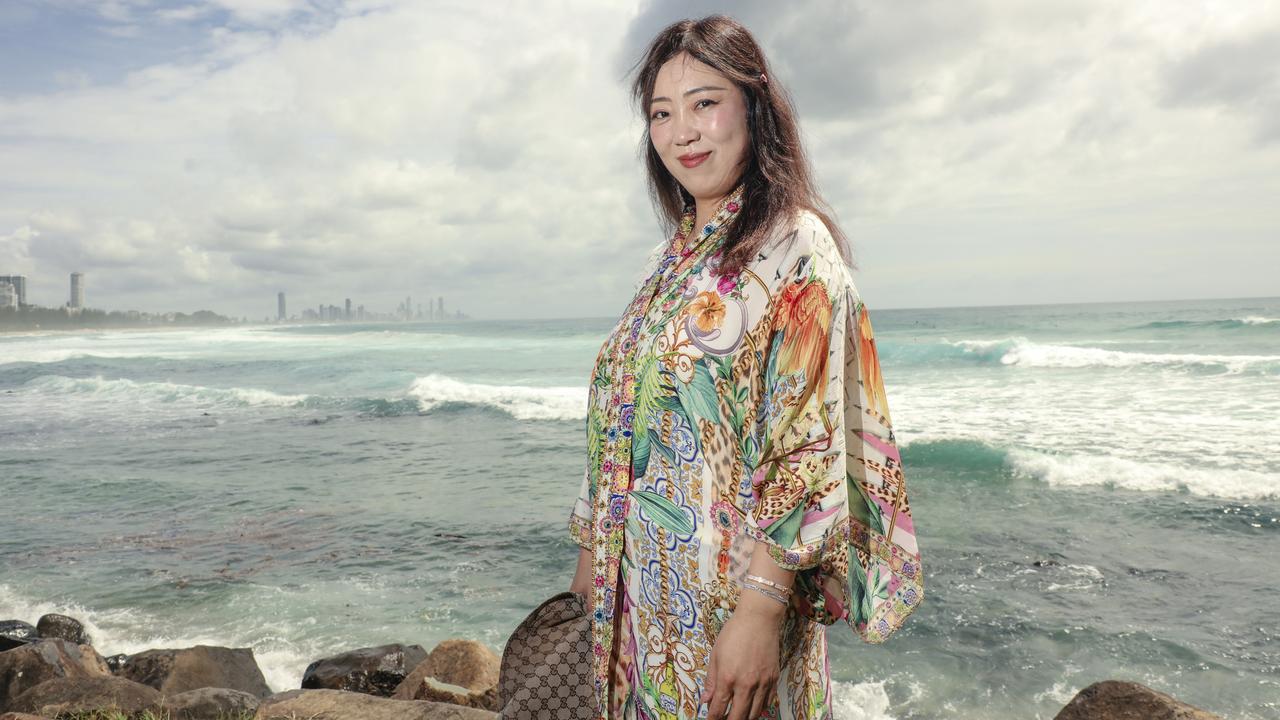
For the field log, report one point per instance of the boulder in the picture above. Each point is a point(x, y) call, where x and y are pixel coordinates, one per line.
point(175, 671)
point(373, 670)
point(28, 665)
point(20, 716)
point(117, 661)
point(1123, 700)
point(67, 628)
point(86, 694)
point(16, 633)
point(432, 689)
point(463, 672)
point(209, 704)
point(345, 705)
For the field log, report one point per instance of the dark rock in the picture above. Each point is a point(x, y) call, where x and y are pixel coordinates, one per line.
point(209, 704)
point(86, 694)
point(373, 670)
point(344, 705)
point(174, 671)
point(70, 629)
point(24, 667)
point(115, 662)
point(462, 672)
point(15, 633)
point(1123, 700)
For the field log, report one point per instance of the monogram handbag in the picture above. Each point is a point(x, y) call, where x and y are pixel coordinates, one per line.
point(546, 666)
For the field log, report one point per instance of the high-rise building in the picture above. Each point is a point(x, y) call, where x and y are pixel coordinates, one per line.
point(348, 313)
point(77, 290)
point(440, 308)
point(19, 283)
point(280, 314)
point(8, 296)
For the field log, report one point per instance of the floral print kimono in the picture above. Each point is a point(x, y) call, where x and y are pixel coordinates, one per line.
point(725, 410)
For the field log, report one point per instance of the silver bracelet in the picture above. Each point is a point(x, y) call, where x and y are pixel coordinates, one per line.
point(780, 588)
point(763, 591)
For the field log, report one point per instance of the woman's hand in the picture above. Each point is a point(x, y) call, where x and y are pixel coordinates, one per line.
point(743, 672)
point(582, 579)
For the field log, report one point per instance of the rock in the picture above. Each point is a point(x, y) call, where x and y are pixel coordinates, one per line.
point(1123, 700)
point(20, 716)
point(345, 705)
point(54, 625)
point(176, 671)
point(429, 688)
point(15, 633)
point(115, 662)
point(373, 670)
point(463, 672)
point(84, 694)
point(209, 704)
point(28, 665)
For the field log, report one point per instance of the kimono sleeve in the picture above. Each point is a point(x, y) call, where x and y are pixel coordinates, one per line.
point(580, 517)
point(830, 493)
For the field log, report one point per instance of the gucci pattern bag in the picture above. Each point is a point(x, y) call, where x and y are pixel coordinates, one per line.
point(546, 664)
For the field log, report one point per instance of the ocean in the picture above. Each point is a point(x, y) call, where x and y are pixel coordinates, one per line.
point(1096, 489)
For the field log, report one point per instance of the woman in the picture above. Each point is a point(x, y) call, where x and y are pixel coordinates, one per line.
point(743, 487)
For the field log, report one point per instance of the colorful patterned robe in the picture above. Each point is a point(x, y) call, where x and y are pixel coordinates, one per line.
point(727, 409)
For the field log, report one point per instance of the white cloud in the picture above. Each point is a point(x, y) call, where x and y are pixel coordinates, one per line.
point(487, 153)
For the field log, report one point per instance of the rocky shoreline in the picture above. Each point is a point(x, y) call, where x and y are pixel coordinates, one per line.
point(51, 670)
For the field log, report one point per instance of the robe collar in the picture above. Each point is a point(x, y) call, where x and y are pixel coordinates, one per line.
point(709, 236)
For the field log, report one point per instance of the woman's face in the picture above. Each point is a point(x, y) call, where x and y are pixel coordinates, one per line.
point(697, 111)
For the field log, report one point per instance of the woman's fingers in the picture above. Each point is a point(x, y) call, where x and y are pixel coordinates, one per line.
point(759, 701)
point(741, 704)
point(719, 704)
point(708, 693)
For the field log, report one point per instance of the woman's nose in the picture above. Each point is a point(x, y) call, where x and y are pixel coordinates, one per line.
point(685, 132)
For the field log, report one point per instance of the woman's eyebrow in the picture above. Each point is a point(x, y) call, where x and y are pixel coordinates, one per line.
point(690, 91)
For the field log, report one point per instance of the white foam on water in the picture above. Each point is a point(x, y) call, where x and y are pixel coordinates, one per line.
point(1060, 694)
point(1080, 577)
point(1023, 352)
point(521, 402)
point(129, 631)
point(125, 389)
point(1258, 320)
point(860, 701)
point(1078, 470)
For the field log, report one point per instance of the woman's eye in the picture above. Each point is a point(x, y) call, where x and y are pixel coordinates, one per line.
point(656, 114)
point(704, 100)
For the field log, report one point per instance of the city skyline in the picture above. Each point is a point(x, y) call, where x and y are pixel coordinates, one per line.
point(13, 292)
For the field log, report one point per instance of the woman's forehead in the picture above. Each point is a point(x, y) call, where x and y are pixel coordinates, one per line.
point(684, 70)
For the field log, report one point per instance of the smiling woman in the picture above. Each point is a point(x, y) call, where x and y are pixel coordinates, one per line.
point(743, 486)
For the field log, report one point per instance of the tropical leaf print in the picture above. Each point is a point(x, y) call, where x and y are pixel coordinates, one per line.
point(867, 511)
point(664, 512)
point(648, 390)
point(786, 529)
point(699, 397)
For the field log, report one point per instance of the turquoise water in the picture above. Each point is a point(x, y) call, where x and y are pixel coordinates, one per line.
point(1096, 487)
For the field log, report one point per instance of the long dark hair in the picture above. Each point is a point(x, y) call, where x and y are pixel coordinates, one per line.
point(778, 178)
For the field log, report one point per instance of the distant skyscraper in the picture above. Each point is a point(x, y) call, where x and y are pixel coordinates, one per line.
point(348, 315)
point(8, 296)
point(440, 308)
point(19, 283)
point(77, 290)
point(280, 313)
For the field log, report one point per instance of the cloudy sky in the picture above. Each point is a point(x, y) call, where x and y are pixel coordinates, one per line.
point(207, 155)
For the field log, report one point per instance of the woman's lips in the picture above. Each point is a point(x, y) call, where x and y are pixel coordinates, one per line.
point(694, 160)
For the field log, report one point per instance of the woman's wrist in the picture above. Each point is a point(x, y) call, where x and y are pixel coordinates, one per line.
point(760, 607)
